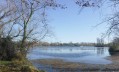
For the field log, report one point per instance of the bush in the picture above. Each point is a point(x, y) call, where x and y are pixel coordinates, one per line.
point(114, 49)
point(7, 49)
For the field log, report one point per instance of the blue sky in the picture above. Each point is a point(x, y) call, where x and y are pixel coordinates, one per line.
point(69, 25)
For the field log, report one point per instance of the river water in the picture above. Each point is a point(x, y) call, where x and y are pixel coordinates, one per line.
point(89, 55)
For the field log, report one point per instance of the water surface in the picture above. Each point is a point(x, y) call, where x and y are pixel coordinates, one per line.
point(89, 55)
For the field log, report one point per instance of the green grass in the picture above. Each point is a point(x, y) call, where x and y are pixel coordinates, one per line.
point(5, 62)
point(17, 66)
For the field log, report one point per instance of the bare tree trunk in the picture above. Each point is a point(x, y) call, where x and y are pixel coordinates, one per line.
point(24, 36)
point(23, 44)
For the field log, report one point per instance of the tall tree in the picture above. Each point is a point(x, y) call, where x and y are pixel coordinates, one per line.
point(30, 20)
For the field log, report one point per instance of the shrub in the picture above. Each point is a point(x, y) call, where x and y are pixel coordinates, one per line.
point(114, 48)
point(7, 49)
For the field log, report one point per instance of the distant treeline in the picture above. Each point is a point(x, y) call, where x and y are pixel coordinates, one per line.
point(68, 44)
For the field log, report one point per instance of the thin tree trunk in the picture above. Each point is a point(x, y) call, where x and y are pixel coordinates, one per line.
point(23, 44)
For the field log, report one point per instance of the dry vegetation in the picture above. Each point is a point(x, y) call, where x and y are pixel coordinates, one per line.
point(62, 66)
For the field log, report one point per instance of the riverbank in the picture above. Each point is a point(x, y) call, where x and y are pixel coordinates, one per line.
point(17, 66)
point(62, 66)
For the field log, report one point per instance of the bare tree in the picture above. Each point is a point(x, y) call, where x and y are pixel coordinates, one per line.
point(7, 16)
point(30, 21)
point(112, 20)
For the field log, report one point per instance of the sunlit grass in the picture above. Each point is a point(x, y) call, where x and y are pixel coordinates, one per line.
point(17, 66)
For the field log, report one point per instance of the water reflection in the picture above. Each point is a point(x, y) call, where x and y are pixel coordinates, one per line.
point(93, 55)
point(100, 51)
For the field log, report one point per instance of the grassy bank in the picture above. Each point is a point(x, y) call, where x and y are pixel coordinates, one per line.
point(13, 57)
point(17, 66)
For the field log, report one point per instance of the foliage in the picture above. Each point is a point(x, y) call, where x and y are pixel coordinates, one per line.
point(5, 62)
point(7, 49)
point(114, 46)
